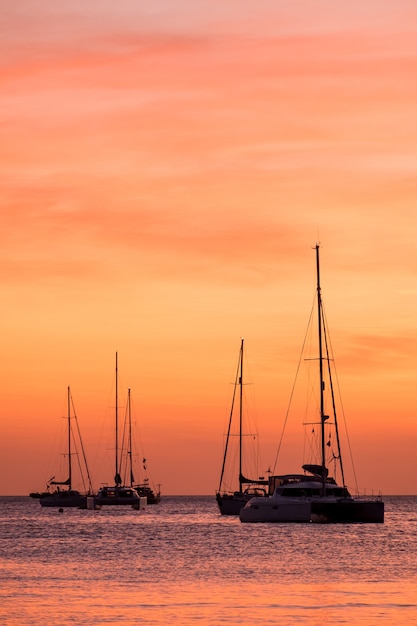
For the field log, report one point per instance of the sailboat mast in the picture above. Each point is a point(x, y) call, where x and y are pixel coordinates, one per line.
point(69, 439)
point(226, 448)
point(320, 335)
point(132, 480)
point(117, 478)
point(241, 415)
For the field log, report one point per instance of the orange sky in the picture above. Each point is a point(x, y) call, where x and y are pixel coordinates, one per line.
point(166, 169)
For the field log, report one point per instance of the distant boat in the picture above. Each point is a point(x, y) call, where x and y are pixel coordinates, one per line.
point(143, 489)
point(119, 494)
point(315, 496)
point(63, 494)
point(38, 494)
point(231, 502)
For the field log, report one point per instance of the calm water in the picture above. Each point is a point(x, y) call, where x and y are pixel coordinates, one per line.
point(181, 563)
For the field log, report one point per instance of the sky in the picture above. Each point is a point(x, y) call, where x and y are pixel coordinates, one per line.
point(166, 171)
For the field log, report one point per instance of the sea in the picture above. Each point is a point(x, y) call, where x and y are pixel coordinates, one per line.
point(180, 562)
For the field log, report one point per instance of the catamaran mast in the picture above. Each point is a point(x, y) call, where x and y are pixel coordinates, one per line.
point(241, 416)
point(320, 333)
point(132, 479)
point(117, 477)
point(69, 440)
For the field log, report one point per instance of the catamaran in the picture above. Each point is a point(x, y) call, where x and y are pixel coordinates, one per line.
point(117, 494)
point(315, 495)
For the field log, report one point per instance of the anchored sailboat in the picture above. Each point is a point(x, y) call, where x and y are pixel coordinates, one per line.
point(63, 494)
point(119, 494)
point(143, 488)
point(315, 495)
point(231, 502)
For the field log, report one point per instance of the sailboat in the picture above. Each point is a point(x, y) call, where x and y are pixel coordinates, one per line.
point(119, 494)
point(231, 502)
point(63, 494)
point(315, 495)
point(143, 489)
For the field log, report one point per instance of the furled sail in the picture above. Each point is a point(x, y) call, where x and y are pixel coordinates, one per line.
point(249, 481)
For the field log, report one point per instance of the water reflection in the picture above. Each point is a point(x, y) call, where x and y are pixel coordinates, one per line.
point(182, 563)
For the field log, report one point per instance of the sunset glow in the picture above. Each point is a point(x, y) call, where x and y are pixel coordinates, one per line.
point(166, 170)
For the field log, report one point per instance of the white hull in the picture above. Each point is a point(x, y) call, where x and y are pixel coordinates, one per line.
point(276, 510)
point(292, 500)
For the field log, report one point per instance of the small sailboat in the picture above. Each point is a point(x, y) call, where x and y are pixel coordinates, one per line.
point(119, 494)
point(143, 489)
point(315, 495)
point(230, 502)
point(63, 494)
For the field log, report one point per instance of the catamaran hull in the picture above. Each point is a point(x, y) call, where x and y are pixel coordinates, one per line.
point(348, 511)
point(289, 511)
point(121, 501)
